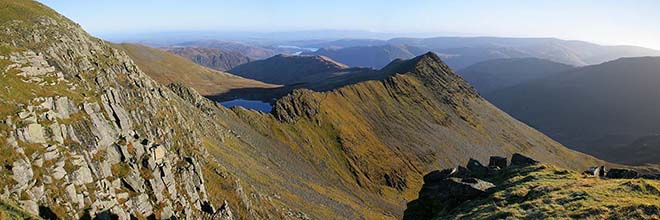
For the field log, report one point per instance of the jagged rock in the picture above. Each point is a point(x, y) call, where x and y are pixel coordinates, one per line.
point(38, 162)
point(158, 187)
point(74, 197)
point(37, 192)
point(599, 172)
point(113, 154)
point(64, 108)
point(83, 174)
point(104, 132)
point(112, 107)
point(166, 213)
point(615, 173)
point(120, 213)
point(521, 160)
point(59, 172)
point(56, 133)
point(224, 212)
point(476, 168)
point(51, 153)
point(105, 169)
point(140, 204)
point(22, 172)
point(438, 175)
point(30, 206)
point(134, 181)
point(496, 161)
point(159, 153)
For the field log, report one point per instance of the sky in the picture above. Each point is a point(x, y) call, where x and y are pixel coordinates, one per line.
point(609, 22)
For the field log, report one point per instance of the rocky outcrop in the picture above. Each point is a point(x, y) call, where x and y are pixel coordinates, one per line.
point(300, 103)
point(619, 173)
point(521, 160)
point(445, 190)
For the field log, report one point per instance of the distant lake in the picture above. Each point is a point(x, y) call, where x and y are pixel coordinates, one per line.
point(249, 104)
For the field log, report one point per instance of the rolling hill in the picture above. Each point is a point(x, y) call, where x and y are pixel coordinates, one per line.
point(210, 57)
point(593, 108)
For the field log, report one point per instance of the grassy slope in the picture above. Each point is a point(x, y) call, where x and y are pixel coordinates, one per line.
point(549, 192)
point(166, 68)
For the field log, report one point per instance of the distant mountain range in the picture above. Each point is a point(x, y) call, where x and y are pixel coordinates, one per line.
point(599, 109)
point(460, 52)
point(211, 57)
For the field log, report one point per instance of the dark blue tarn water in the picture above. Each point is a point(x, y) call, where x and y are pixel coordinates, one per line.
point(249, 104)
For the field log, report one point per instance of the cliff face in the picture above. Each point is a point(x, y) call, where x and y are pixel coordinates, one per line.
point(84, 132)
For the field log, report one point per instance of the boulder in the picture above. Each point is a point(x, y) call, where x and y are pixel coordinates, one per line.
point(496, 161)
point(616, 173)
point(446, 195)
point(521, 160)
point(476, 168)
point(599, 172)
point(437, 175)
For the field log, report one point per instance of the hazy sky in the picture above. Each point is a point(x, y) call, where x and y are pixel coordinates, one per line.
point(633, 22)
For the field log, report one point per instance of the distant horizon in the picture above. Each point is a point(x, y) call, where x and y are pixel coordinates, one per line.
point(604, 22)
point(128, 37)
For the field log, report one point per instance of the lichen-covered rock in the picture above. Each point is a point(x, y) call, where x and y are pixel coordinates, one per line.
point(34, 133)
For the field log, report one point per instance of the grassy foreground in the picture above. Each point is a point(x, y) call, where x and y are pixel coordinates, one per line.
point(548, 192)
